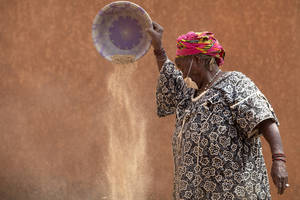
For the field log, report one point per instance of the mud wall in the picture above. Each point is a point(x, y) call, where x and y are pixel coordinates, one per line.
point(72, 127)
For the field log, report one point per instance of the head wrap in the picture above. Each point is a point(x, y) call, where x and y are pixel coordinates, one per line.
point(200, 42)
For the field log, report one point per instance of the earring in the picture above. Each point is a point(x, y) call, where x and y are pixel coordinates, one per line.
point(211, 62)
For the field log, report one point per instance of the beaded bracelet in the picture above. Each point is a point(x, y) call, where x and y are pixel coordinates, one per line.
point(160, 54)
point(279, 156)
point(281, 159)
point(276, 155)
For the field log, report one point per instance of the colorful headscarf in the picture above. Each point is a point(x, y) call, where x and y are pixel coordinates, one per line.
point(200, 42)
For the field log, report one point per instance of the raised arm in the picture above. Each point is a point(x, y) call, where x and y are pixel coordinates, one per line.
point(170, 86)
point(156, 34)
point(279, 173)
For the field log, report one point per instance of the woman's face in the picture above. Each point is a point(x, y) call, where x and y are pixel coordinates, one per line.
point(183, 64)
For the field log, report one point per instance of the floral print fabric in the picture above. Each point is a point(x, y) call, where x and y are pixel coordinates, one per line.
point(216, 148)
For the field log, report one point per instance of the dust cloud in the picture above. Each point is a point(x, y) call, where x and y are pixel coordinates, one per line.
point(127, 171)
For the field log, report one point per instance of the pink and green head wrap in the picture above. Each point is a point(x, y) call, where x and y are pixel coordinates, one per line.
point(200, 42)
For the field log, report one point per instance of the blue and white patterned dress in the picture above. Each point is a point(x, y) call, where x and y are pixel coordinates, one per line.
point(216, 146)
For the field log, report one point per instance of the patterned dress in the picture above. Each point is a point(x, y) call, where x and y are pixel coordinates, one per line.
point(216, 148)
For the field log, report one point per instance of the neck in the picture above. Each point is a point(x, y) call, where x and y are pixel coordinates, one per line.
point(205, 78)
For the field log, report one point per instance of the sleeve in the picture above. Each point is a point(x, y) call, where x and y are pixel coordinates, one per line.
point(250, 108)
point(170, 89)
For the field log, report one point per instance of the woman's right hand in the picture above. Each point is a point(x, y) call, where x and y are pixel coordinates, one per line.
point(156, 34)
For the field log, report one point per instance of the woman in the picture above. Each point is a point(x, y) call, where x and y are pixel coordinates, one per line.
point(219, 118)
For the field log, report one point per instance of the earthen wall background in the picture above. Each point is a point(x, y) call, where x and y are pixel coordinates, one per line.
point(53, 90)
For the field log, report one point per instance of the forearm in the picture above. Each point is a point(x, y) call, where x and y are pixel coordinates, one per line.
point(271, 134)
point(161, 57)
point(279, 173)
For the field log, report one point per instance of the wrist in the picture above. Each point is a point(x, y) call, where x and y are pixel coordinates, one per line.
point(158, 48)
point(160, 53)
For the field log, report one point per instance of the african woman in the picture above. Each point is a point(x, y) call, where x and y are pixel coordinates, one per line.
point(220, 117)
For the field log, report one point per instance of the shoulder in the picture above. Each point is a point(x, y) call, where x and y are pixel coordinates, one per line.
point(232, 79)
point(235, 86)
point(236, 77)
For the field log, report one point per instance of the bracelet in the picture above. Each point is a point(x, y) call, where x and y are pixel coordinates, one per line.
point(279, 159)
point(278, 155)
point(160, 53)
